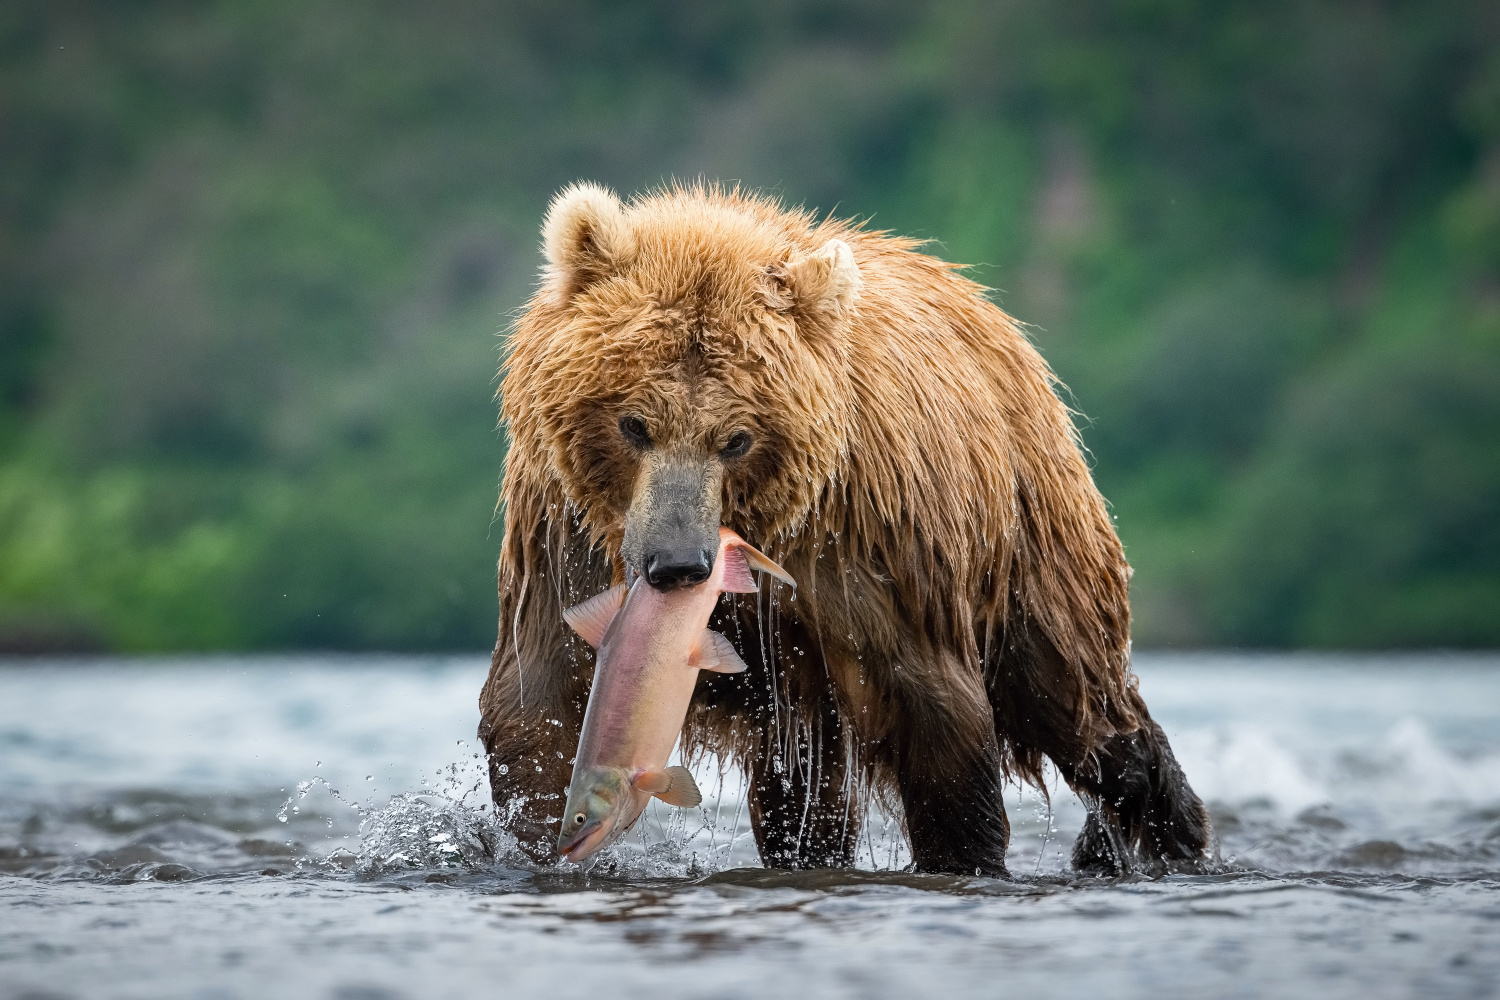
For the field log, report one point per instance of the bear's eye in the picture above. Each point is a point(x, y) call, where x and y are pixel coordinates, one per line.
point(739, 443)
point(634, 429)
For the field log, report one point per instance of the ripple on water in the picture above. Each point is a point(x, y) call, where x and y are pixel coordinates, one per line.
point(1345, 874)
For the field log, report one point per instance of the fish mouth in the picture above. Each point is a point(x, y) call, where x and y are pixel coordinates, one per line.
point(583, 843)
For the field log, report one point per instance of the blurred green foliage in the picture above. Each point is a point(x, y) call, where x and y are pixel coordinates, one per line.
point(253, 257)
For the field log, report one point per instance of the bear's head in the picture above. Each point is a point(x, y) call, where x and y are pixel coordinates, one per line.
point(684, 364)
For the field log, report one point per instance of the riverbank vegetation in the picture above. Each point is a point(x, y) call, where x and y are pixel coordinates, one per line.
point(254, 257)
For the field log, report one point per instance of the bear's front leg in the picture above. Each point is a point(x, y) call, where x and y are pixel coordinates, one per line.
point(531, 707)
point(948, 769)
point(802, 810)
point(530, 733)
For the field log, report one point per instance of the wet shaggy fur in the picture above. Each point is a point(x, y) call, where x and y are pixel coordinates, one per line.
point(962, 609)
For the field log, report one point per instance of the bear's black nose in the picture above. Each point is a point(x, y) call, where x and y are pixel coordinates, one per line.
point(682, 568)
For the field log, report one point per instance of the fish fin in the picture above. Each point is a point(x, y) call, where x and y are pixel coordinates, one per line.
point(674, 786)
point(652, 781)
point(683, 790)
point(737, 576)
point(716, 653)
point(747, 554)
point(591, 618)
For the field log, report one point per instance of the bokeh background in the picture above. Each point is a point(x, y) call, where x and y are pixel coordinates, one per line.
point(255, 257)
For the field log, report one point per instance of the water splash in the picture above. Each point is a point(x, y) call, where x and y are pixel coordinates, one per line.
point(295, 802)
point(417, 830)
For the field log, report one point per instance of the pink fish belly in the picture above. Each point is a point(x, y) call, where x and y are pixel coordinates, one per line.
point(642, 681)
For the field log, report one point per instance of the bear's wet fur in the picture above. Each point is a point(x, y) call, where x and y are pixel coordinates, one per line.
point(962, 609)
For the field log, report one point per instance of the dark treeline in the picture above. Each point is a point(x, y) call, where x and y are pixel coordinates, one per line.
point(254, 257)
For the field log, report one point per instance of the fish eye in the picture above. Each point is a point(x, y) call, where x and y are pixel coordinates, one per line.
point(580, 818)
point(634, 430)
point(739, 443)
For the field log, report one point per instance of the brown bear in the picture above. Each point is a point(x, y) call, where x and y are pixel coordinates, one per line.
point(866, 416)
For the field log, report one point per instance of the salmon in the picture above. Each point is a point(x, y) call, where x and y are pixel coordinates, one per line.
point(651, 645)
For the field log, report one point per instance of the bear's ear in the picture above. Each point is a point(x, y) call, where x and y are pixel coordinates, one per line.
point(823, 283)
point(585, 238)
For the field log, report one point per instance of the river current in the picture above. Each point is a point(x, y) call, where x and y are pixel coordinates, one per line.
point(319, 827)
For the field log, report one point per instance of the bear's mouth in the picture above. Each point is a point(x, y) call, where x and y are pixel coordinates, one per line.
point(672, 525)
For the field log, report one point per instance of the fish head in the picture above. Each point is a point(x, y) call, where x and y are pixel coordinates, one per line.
point(596, 801)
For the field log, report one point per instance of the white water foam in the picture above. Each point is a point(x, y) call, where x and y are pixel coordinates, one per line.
point(141, 854)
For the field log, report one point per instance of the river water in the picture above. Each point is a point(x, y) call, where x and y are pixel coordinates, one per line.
point(319, 827)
